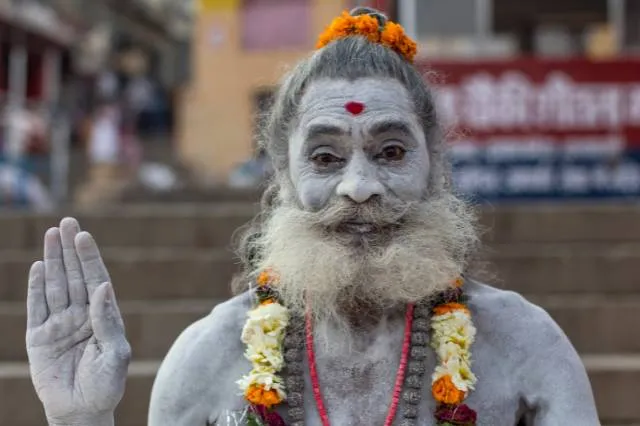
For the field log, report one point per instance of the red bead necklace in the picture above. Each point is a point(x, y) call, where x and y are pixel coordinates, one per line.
point(397, 389)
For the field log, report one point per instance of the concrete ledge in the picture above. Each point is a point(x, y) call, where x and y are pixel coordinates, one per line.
point(206, 225)
point(180, 273)
point(592, 324)
point(144, 226)
point(616, 393)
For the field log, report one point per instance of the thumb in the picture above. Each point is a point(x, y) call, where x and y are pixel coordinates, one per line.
point(106, 320)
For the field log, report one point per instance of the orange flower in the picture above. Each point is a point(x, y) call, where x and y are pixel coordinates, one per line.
point(340, 27)
point(368, 27)
point(266, 277)
point(395, 38)
point(458, 282)
point(391, 36)
point(259, 396)
point(444, 391)
point(446, 308)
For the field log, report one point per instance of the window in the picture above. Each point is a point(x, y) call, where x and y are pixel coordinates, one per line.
point(543, 27)
point(276, 24)
point(446, 18)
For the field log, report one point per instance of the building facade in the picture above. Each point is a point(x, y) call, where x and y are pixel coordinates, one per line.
point(240, 49)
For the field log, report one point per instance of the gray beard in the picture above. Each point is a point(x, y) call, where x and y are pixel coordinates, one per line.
point(413, 253)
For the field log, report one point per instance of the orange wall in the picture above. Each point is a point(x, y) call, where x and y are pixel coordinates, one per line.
point(216, 124)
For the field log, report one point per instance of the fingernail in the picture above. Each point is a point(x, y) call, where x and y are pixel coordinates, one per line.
point(69, 222)
point(51, 231)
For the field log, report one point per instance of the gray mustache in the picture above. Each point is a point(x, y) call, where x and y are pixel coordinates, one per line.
point(376, 212)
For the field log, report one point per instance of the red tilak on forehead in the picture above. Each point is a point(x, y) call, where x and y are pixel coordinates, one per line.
point(354, 108)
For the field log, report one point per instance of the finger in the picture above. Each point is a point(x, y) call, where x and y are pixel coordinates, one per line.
point(69, 228)
point(106, 320)
point(55, 279)
point(37, 311)
point(93, 269)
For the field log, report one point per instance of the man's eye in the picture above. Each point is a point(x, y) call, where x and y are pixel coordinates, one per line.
point(325, 159)
point(392, 153)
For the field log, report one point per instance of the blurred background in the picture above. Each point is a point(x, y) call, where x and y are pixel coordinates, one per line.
point(140, 118)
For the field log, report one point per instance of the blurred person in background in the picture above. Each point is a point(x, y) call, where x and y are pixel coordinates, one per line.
point(355, 302)
point(26, 139)
point(105, 135)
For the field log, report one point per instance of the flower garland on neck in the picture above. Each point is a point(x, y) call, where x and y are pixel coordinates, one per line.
point(452, 334)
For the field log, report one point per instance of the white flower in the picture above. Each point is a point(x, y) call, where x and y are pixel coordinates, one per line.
point(455, 327)
point(253, 335)
point(265, 325)
point(264, 379)
point(449, 350)
point(452, 336)
point(267, 356)
point(272, 313)
point(263, 334)
point(459, 369)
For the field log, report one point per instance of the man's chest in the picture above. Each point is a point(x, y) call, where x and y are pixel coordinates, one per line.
point(364, 384)
point(362, 393)
point(365, 396)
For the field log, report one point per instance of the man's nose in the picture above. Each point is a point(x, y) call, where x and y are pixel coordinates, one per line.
point(359, 182)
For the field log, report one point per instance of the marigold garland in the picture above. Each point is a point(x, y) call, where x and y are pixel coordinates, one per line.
point(452, 335)
point(263, 334)
point(391, 35)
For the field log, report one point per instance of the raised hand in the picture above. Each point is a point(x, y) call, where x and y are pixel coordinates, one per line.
point(78, 352)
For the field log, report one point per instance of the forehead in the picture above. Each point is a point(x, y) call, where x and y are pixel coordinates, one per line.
point(381, 98)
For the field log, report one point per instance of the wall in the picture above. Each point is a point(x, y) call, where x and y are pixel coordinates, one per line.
point(215, 123)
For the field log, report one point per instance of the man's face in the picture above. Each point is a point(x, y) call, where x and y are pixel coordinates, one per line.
point(358, 168)
point(357, 140)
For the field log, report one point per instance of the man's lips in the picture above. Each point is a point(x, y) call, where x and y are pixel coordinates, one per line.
point(357, 227)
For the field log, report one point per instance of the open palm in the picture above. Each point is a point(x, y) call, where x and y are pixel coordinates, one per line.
point(78, 352)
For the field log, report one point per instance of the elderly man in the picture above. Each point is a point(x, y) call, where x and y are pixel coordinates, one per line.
point(352, 307)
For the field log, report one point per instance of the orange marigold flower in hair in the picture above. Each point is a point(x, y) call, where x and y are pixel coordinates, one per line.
point(408, 48)
point(391, 35)
point(260, 396)
point(444, 391)
point(446, 308)
point(367, 26)
point(341, 26)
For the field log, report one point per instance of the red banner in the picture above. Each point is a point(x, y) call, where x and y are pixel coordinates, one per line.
point(554, 122)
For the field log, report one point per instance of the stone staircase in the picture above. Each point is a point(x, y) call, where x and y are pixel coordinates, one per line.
point(172, 263)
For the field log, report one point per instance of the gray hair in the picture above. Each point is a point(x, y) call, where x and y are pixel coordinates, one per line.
point(349, 58)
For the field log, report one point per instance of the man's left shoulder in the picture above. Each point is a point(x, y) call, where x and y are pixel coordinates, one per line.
point(507, 313)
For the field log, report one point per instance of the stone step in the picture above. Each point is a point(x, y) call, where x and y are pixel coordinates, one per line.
point(151, 327)
point(211, 225)
point(593, 324)
point(168, 274)
point(614, 378)
point(176, 226)
point(539, 222)
point(20, 405)
point(140, 274)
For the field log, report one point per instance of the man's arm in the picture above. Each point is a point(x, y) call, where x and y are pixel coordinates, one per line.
point(557, 388)
point(196, 381)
